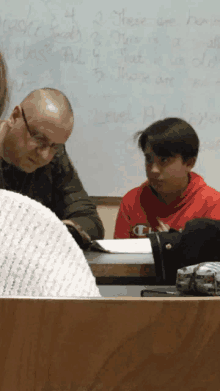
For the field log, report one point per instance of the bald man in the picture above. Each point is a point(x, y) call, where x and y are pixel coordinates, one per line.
point(34, 162)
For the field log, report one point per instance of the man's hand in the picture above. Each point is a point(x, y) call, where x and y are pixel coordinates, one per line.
point(80, 236)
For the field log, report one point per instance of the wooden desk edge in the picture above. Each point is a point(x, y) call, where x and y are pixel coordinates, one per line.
point(121, 298)
point(182, 298)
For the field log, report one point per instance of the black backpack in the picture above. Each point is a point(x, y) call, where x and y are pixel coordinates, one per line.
point(199, 242)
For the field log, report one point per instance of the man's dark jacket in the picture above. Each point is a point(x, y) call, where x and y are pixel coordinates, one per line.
point(58, 187)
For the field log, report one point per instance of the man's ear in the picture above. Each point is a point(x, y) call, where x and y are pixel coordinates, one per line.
point(190, 163)
point(16, 114)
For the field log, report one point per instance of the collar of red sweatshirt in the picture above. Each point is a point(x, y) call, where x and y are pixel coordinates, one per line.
point(148, 198)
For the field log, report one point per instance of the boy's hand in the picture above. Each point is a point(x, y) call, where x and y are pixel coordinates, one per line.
point(162, 227)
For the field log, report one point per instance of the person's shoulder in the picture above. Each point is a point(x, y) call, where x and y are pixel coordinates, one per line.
point(132, 194)
point(214, 194)
point(208, 193)
point(61, 161)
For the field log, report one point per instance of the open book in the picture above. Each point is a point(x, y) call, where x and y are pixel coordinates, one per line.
point(129, 246)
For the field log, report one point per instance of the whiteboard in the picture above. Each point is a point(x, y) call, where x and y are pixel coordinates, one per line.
point(123, 65)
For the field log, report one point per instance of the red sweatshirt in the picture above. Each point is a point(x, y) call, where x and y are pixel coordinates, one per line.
point(140, 206)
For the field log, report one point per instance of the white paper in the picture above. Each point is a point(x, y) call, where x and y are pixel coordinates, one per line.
point(131, 246)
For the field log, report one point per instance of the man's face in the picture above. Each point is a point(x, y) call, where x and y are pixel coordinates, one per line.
point(32, 143)
point(166, 175)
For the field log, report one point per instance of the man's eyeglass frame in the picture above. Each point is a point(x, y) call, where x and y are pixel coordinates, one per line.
point(39, 143)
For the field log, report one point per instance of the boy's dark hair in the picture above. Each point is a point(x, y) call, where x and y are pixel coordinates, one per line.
point(170, 137)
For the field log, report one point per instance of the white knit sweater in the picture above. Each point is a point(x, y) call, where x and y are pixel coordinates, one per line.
point(38, 256)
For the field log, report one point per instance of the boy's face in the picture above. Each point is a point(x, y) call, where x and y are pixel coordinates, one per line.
point(167, 175)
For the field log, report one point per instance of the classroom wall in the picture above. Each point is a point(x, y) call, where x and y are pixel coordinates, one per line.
point(108, 216)
point(123, 64)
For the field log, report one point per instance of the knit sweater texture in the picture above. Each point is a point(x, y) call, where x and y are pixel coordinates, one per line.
point(38, 255)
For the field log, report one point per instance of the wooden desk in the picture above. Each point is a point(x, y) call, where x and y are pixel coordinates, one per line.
point(110, 344)
point(130, 290)
point(116, 268)
point(121, 290)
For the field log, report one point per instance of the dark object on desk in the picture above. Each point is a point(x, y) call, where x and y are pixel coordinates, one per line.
point(168, 291)
point(199, 242)
point(159, 291)
point(163, 244)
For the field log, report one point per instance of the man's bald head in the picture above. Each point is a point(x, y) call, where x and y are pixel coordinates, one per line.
point(48, 102)
point(36, 128)
point(49, 112)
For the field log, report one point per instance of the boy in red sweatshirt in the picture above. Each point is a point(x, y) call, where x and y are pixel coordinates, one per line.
point(173, 194)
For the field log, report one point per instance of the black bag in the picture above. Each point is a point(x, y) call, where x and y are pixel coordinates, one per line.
point(199, 242)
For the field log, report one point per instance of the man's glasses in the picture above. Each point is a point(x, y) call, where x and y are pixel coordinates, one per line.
point(39, 138)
